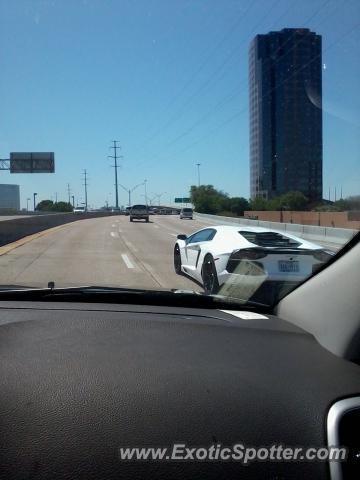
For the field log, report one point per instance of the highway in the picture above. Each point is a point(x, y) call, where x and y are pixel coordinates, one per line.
point(108, 251)
point(101, 251)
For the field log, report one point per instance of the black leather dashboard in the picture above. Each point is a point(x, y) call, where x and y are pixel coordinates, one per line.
point(78, 381)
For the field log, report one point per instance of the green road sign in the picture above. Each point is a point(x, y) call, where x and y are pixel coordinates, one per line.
point(182, 200)
point(186, 200)
point(178, 200)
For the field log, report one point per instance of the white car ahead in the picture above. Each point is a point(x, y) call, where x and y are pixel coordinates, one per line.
point(79, 210)
point(229, 255)
point(186, 213)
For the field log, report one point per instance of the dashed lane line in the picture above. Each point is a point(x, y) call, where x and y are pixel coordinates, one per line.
point(127, 260)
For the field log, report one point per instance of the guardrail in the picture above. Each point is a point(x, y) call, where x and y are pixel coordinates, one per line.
point(338, 236)
point(16, 228)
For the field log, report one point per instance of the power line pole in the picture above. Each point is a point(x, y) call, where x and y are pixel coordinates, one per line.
point(198, 169)
point(85, 186)
point(69, 193)
point(115, 147)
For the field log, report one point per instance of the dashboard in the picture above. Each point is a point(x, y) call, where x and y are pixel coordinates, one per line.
point(81, 380)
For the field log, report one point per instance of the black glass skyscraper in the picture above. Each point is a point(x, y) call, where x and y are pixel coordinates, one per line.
point(286, 113)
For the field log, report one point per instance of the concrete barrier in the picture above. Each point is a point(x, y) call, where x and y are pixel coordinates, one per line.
point(12, 230)
point(338, 236)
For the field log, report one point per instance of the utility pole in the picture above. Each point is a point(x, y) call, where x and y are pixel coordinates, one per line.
point(73, 200)
point(115, 147)
point(85, 186)
point(55, 197)
point(34, 194)
point(69, 193)
point(335, 194)
point(198, 169)
point(27, 204)
point(146, 200)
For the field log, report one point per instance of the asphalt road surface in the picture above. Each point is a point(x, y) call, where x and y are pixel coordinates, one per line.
point(108, 251)
point(101, 251)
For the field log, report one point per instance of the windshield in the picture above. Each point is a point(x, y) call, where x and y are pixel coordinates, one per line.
point(244, 114)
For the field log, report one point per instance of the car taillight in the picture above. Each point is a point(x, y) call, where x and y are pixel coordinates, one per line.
point(247, 254)
point(322, 255)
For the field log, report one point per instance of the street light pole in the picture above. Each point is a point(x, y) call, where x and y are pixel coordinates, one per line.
point(198, 169)
point(159, 195)
point(73, 200)
point(130, 190)
point(27, 204)
point(34, 201)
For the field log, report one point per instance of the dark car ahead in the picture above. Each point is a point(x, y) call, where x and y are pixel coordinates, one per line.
point(139, 212)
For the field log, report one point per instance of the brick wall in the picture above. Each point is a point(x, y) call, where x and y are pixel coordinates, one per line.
point(323, 219)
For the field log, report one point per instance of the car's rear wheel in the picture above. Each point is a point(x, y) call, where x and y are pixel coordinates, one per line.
point(209, 276)
point(177, 260)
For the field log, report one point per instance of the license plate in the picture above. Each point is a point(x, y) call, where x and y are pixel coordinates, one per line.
point(289, 266)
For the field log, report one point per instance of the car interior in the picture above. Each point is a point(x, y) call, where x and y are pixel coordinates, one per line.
point(87, 371)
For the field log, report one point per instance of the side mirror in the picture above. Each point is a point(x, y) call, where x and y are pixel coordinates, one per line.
point(182, 237)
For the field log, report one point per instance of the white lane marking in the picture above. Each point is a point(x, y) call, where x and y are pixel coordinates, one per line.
point(173, 234)
point(113, 225)
point(114, 234)
point(120, 231)
point(156, 226)
point(127, 261)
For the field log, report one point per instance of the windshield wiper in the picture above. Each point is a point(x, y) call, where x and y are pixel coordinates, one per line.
point(104, 294)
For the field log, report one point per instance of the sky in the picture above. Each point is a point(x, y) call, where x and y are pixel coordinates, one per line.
point(168, 80)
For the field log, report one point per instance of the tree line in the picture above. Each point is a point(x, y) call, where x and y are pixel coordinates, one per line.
point(207, 199)
point(50, 206)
